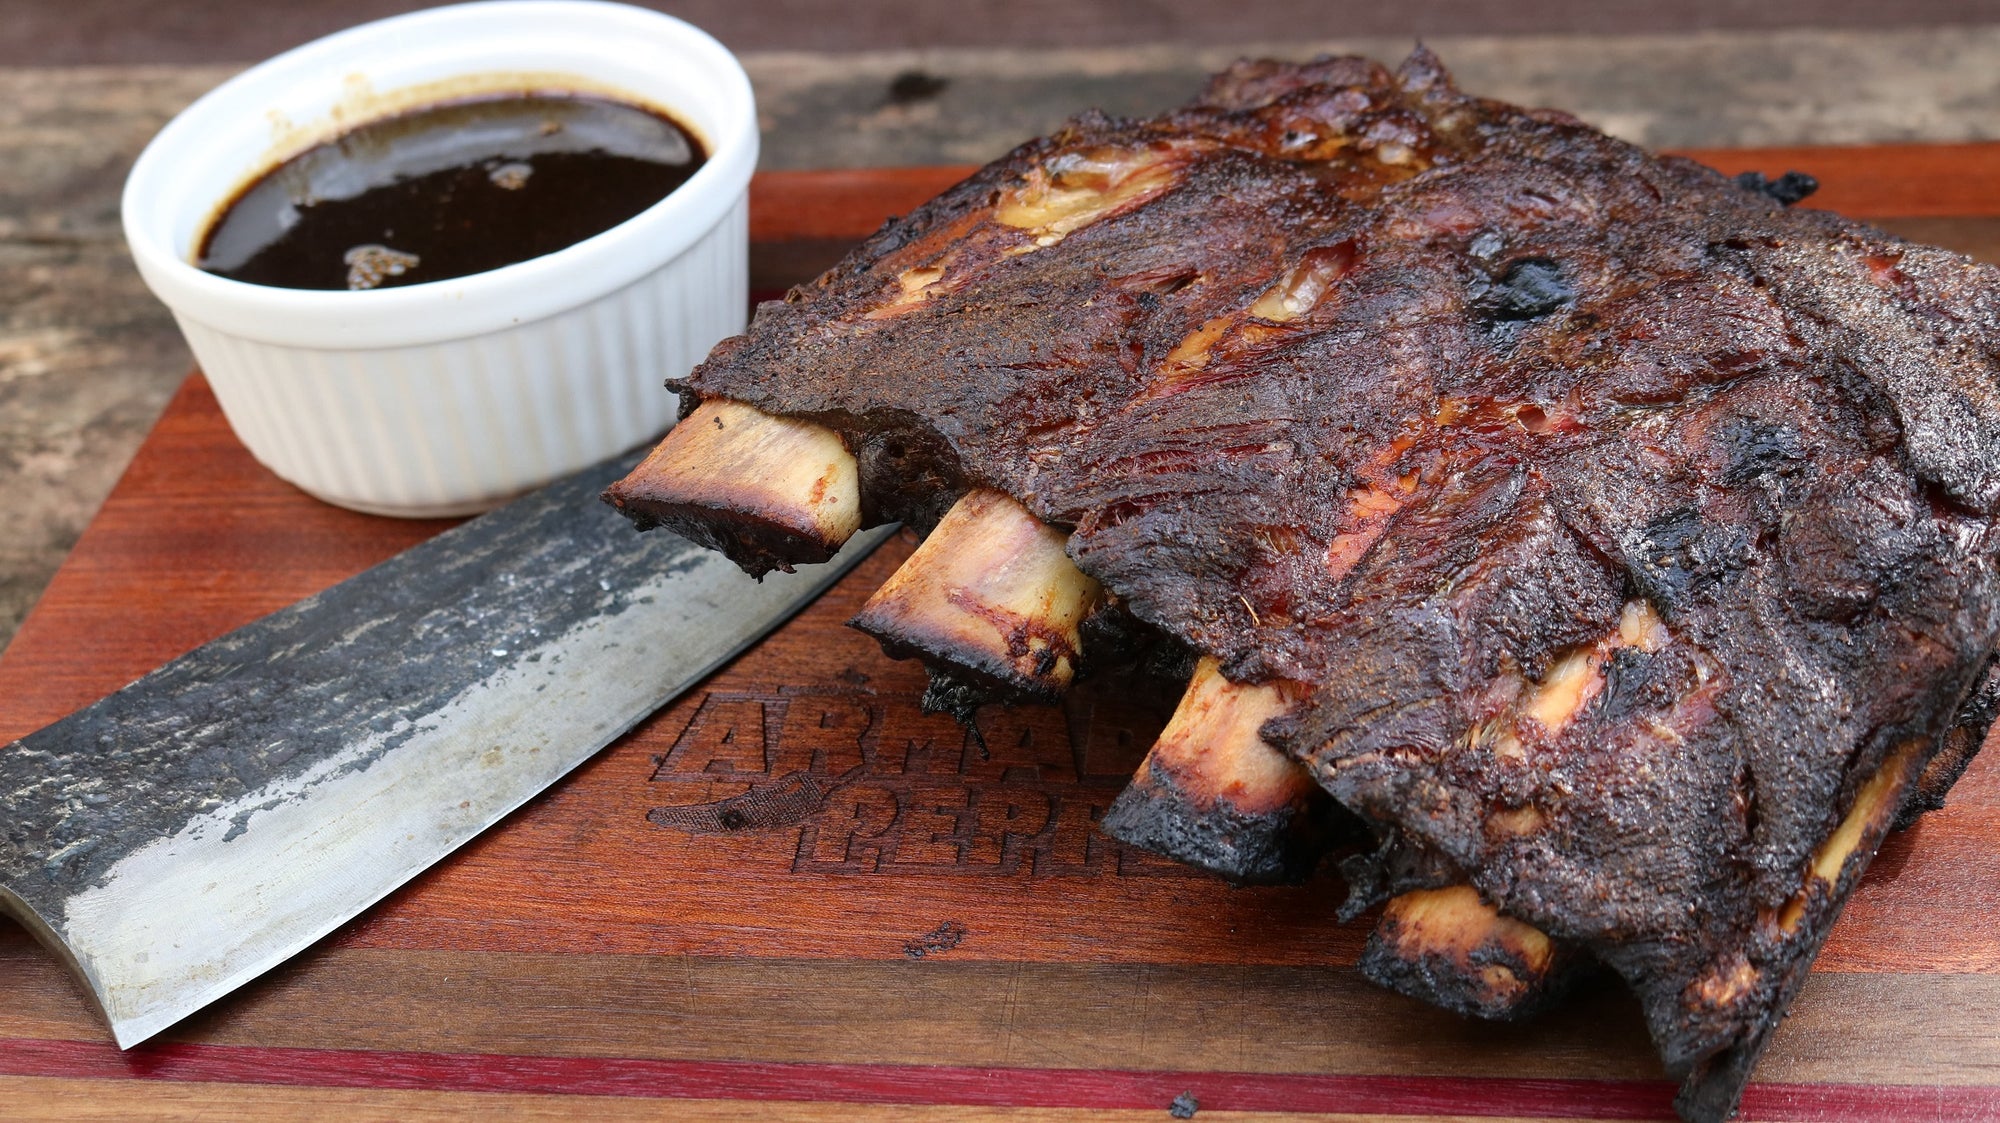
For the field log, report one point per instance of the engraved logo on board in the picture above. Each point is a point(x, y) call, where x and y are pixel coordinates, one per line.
point(849, 781)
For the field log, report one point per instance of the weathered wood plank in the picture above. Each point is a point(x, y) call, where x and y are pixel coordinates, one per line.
point(85, 31)
point(44, 1100)
point(1891, 1028)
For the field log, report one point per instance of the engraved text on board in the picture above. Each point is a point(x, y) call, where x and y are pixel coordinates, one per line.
point(849, 781)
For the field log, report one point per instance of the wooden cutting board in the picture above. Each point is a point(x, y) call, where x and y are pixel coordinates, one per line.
point(906, 918)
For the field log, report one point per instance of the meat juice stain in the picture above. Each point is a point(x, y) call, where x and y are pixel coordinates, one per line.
point(450, 190)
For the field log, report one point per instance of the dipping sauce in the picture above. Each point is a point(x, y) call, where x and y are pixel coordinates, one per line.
point(448, 191)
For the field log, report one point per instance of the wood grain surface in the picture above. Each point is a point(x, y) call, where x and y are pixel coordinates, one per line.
point(101, 31)
point(907, 919)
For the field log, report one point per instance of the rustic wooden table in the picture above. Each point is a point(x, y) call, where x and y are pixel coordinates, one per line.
point(944, 935)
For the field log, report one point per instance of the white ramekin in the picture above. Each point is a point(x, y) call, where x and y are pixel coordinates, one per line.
point(449, 397)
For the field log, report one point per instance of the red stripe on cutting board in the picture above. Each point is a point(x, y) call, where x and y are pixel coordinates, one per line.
point(1085, 1089)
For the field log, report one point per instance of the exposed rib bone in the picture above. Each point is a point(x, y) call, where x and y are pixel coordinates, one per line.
point(770, 492)
point(989, 598)
point(1450, 948)
point(1212, 793)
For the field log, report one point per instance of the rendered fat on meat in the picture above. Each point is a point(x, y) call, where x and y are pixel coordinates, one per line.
point(1629, 534)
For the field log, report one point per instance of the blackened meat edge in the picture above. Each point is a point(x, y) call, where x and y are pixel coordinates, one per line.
point(1633, 532)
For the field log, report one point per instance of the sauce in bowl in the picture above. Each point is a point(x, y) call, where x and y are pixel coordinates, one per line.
point(448, 191)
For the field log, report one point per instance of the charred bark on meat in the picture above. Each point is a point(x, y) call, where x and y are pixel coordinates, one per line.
point(1632, 536)
point(1955, 750)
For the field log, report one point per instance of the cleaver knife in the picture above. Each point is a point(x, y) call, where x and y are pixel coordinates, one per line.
point(182, 836)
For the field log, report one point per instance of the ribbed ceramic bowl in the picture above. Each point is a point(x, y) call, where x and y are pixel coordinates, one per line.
point(449, 397)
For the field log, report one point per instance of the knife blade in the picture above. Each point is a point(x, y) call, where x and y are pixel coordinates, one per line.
point(189, 832)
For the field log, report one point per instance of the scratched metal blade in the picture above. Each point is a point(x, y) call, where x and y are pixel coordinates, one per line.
point(186, 834)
